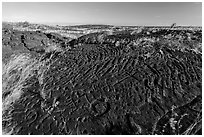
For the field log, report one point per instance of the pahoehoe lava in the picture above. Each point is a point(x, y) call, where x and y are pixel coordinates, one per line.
point(106, 84)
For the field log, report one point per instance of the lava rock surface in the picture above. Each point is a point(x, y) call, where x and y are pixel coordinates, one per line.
point(101, 89)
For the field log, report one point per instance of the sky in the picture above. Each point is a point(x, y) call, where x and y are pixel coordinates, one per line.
point(112, 13)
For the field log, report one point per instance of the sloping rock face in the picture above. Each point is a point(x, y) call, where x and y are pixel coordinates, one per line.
point(33, 42)
point(88, 92)
point(99, 89)
point(187, 38)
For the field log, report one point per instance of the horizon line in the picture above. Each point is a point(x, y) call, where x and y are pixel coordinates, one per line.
point(78, 24)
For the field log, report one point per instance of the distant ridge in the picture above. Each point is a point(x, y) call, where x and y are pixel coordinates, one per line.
point(92, 25)
point(99, 25)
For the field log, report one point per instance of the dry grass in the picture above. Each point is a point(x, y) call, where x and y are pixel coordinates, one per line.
point(52, 47)
point(17, 70)
point(20, 68)
point(15, 74)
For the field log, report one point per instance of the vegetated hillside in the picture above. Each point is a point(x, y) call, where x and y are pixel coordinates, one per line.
point(147, 83)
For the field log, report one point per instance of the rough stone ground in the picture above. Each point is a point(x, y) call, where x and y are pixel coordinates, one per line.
point(145, 84)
